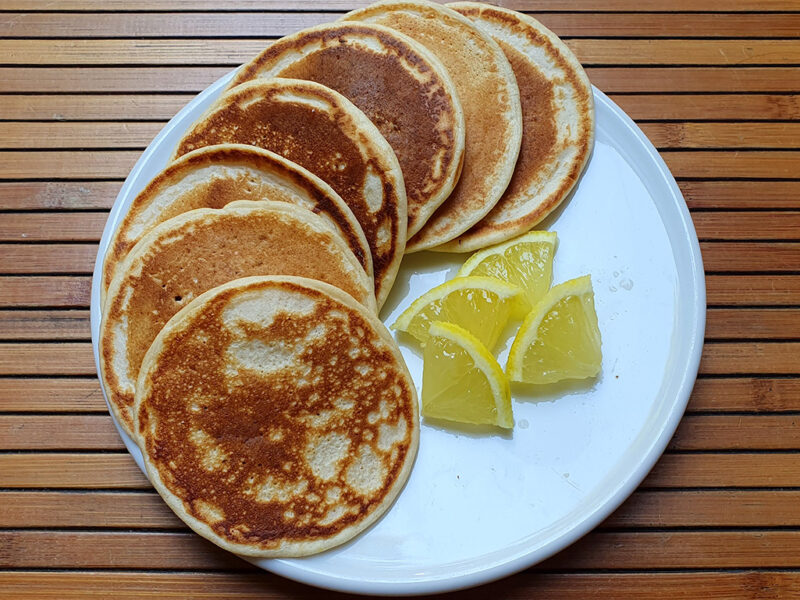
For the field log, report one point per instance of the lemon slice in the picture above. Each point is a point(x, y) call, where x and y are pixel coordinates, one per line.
point(560, 338)
point(525, 261)
point(461, 381)
point(481, 305)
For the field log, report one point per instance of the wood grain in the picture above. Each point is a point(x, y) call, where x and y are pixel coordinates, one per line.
point(751, 357)
point(58, 325)
point(66, 470)
point(598, 550)
point(720, 470)
point(102, 164)
point(614, 79)
point(745, 585)
point(57, 394)
point(262, 24)
point(745, 394)
point(39, 291)
point(39, 358)
point(47, 258)
point(53, 227)
point(96, 195)
point(137, 135)
point(58, 432)
point(232, 52)
point(279, 5)
point(643, 510)
point(726, 323)
point(755, 290)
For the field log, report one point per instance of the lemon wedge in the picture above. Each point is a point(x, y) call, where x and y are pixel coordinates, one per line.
point(560, 338)
point(461, 381)
point(525, 261)
point(481, 305)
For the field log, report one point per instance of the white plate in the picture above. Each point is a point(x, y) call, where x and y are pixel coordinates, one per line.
point(478, 507)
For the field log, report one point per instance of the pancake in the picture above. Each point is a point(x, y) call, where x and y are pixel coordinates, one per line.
point(489, 97)
point(201, 249)
point(212, 177)
point(400, 86)
point(324, 132)
point(276, 416)
point(558, 124)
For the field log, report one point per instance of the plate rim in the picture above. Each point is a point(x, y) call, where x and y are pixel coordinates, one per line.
point(688, 373)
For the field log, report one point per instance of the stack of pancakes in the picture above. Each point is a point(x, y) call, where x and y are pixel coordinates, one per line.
point(240, 344)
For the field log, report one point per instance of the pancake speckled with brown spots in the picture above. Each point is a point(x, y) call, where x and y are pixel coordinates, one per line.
point(399, 84)
point(213, 176)
point(276, 416)
point(327, 134)
point(489, 97)
point(557, 128)
point(201, 249)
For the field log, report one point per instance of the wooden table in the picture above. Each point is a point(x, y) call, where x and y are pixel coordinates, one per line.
point(85, 86)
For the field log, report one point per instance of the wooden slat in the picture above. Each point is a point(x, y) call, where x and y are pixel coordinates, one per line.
point(93, 108)
point(280, 5)
point(644, 509)
point(47, 258)
point(253, 24)
point(750, 357)
point(741, 194)
point(95, 195)
point(54, 195)
point(599, 550)
point(32, 358)
point(723, 135)
point(675, 550)
point(165, 78)
point(61, 549)
point(745, 394)
point(717, 257)
point(737, 432)
point(57, 291)
point(128, 107)
point(756, 290)
point(747, 225)
point(62, 432)
point(61, 325)
point(86, 509)
point(88, 226)
point(51, 395)
point(57, 135)
point(743, 585)
point(727, 323)
point(53, 227)
point(751, 256)
point(745, 165)
point(64, 470)
point(676, 107)
point(63, 164)
point(696, 432)
point(78, 135)
point(75, 358)
point(101, 164)
point(773, 469)
point(703, 509)
point(235, 51)
point(673, 471)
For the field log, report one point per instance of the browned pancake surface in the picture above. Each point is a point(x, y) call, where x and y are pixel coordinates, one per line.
point(417, 117)
point(176, 263)
point(238, 178)
point(260, 115)
point(279, 456)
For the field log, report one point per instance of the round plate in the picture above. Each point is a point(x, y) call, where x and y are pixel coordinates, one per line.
point(481, 504)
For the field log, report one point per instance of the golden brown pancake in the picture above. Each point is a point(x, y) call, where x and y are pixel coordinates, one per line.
point(324, 132)
point(213, 176)
point(201, 249)
point(399, 85)
point(557, 129)
point(489, 97)
point(276, 416)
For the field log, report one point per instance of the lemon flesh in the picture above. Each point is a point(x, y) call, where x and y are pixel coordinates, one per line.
point(560, 338)
point(481, 305)
point(525, 261)
point(461, 381)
